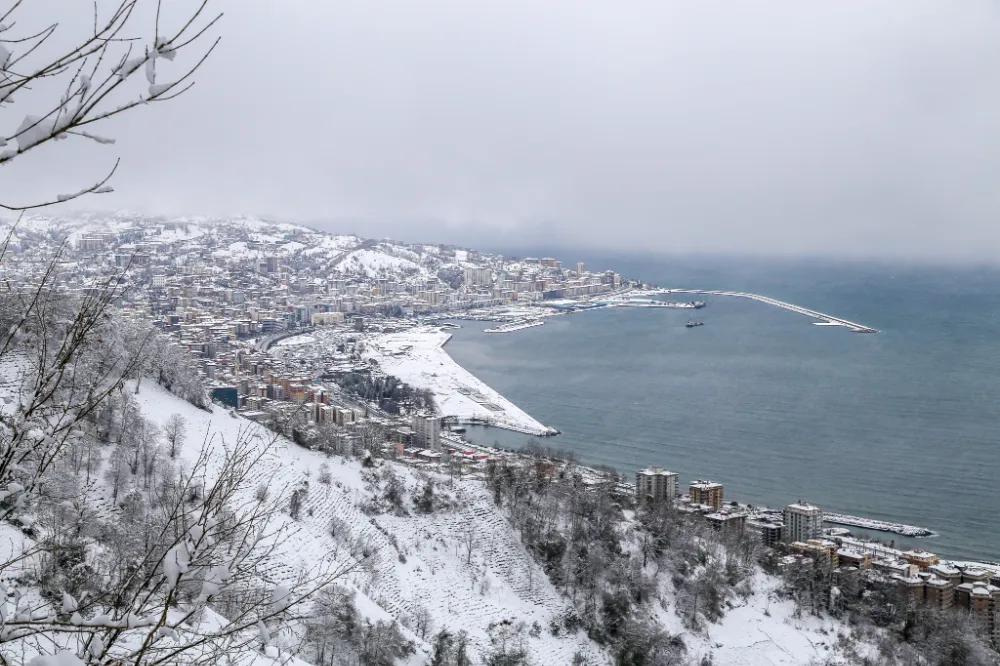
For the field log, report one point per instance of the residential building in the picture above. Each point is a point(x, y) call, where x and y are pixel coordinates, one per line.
point(853, 558)
point(427, 432)
point(939, 593)
point(656, 485)
point(820, 549)
point(479, 276)
point(896, 568)
point(770, 533)
point(346, 417)
point(803, 521)
point(983, 602)
point(707, 493)
point(921, 558)
point(727, 523)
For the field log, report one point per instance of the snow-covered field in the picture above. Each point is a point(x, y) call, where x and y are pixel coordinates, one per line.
point(417, 357)
point(295, 340)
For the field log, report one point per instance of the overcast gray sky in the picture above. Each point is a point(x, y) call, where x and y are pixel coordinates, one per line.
point(846, 126)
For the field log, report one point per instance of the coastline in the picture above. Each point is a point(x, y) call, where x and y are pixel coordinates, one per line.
point(417, 357)
point(885, 527)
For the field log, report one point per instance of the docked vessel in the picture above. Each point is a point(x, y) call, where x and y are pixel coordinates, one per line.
point(693, 323)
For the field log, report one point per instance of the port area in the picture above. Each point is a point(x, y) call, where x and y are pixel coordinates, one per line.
point(877, 525)
point(627, 301)
point(824, 319)
point(512, 326)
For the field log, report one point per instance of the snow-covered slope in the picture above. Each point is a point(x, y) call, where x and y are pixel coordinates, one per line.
point(372, 263)
point(424, 561)
point(762, 631)
point(461, 589)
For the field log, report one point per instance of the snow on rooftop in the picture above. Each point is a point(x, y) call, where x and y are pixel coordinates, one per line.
point(803, 506)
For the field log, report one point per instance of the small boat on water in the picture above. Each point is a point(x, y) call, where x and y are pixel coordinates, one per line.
point(693, 323)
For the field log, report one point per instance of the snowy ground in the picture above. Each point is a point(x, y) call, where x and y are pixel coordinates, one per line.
point(763, 631)
point(421, 561)
point(417, 357)
point(295, 340)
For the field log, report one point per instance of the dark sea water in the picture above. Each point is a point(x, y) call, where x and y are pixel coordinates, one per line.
point(903, 425)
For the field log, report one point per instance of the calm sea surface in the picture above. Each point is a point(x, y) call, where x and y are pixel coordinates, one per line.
point(903, 425)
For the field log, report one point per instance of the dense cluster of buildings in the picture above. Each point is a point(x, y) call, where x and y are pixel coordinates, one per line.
point(227, 290)
point(921, 576)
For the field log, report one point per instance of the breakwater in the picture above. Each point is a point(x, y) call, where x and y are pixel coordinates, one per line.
point(830, 319)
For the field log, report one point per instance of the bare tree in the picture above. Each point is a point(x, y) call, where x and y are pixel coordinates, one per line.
point(423, 622)
point(198, 556)
point(174, 431)
point(76, 81)
point(469, 540)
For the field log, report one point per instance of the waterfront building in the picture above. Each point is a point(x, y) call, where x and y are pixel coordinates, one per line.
point(921, 558)
point(579, 268)
point(427, 432)
point(656, 485)
point(975, 575)
point(707, 493)
point(803, 521)
point(946, 572)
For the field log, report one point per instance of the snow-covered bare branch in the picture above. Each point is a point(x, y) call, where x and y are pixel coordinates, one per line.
point(61, 82)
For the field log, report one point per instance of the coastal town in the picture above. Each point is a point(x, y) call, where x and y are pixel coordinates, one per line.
point(278, 315)
point(923, 578)
point(293, 328)
point(338, 344)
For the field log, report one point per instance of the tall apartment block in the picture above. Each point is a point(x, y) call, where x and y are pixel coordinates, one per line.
point(427, 431)
point(803, 521)
point(656, 485)
point(707, 493)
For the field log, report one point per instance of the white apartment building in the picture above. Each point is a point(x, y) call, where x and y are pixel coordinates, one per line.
point(427, 432)
point(803, 521)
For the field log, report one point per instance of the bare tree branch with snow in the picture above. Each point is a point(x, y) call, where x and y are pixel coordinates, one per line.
point(64, 85)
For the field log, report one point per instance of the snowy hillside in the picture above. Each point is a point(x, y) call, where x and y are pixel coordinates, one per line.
point(529, 554)
point(372, 263)
point(464, 564)
point(422, 561)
